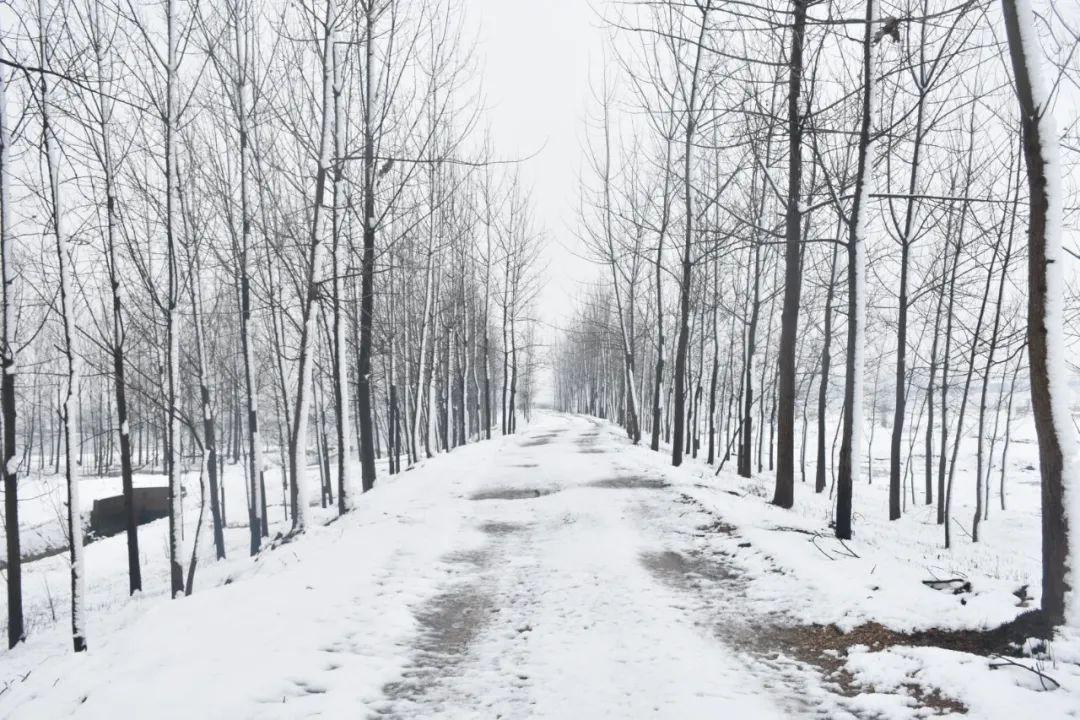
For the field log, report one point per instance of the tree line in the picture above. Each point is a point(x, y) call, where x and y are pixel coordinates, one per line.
point(261, 233)
point(817, 219)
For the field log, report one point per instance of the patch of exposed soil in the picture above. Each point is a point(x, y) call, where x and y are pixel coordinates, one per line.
point(505, 493)
point(715, 527)
point(824, 647)
point(468, 557)
point(541, 439)
point(630, 482)
point(503, 528)
point(715, 524)
point(449, 623)
point(681, 570)
point(770, 640)
point(1005, 640)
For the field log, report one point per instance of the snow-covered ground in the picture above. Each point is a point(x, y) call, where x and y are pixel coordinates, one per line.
point(43, 519)
point(801, 573)
point(558, 573)
point(1005, 559)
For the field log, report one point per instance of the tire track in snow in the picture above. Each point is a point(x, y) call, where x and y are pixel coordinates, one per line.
point(435, 683)
point(559, 618)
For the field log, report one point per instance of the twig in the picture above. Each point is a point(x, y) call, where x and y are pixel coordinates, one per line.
point(956, 585)
point(7, 685)
point(850, 551)
point(814, 540)
point(1043, 677)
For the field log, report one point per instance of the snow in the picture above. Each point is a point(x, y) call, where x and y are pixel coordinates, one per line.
point(884, 583)
point(800, 572)
point(558, 573)
point(324, 623)
point(1006, 692)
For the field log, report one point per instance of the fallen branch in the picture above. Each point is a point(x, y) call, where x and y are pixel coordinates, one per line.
point(787, 528)
point(956, 585)
point(934, 575)
point(850, 552)
point(814, 540)
point(1043, 677)
point(8, 685)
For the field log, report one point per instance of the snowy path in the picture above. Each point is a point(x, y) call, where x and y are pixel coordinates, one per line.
point(548, 575)
point(561, 614)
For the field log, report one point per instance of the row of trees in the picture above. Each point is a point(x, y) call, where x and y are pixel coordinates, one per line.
point(242, 223)
point(767, 174)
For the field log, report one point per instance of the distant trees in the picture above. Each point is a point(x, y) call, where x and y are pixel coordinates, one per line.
point(233, 60)
point(309, 254)
point(618, 244)
point(918, 267)
point(306, 243)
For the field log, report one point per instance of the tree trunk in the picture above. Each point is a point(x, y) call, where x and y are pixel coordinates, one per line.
point(826, 364)
point(679, 378)
point(784, 494)
point(312, 292)
point(852, 434)
point(8, 370)
point(1049, 390)
point(367, 267)
point(172, 312)
point(342, 403)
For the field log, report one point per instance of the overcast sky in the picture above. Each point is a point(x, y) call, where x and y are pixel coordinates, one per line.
point(536, 58)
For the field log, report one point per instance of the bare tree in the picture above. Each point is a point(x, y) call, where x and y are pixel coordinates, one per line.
point(1045, 291)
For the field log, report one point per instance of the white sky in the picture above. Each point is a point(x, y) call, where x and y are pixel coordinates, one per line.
point(536, 57)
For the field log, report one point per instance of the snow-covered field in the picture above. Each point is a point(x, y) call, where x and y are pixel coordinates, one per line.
point(884, 583)
point(558, 573)
point(803, 573)
point(43, 517)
